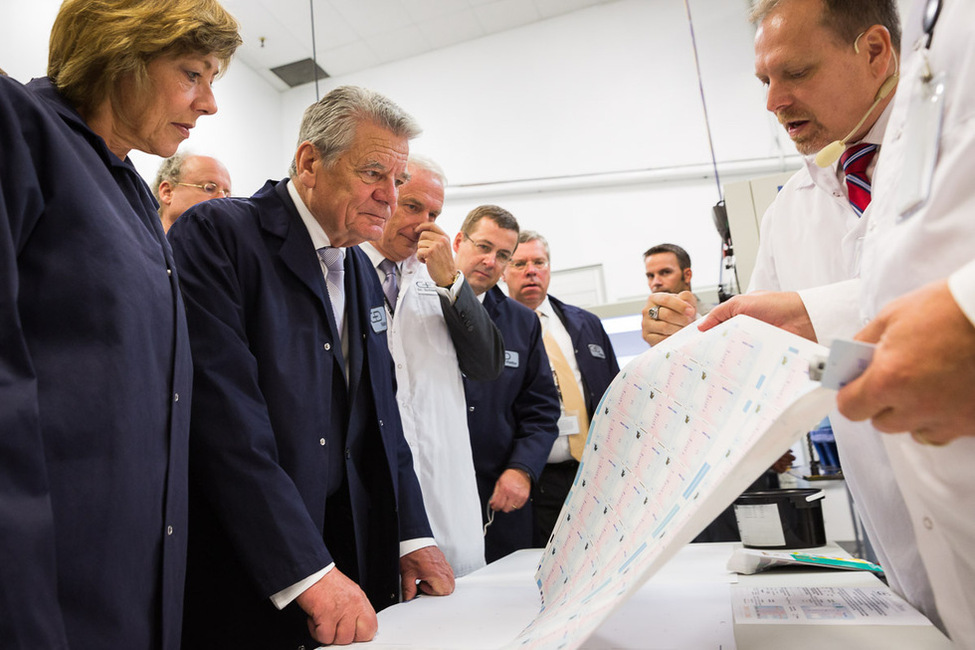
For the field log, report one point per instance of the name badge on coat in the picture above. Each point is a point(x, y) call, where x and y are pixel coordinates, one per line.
point(377, 319)
point(597, 351)
point(510, 359)
point(426, 288)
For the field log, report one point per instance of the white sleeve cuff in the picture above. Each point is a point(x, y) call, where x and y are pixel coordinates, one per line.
point(284, 597)
point(410, 545)
point(451, 292)
point(834, 310)
point(961, 283)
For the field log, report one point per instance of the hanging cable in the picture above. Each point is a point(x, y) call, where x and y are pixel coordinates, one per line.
point(704, 104)
point(314, 51)
point(719, 212)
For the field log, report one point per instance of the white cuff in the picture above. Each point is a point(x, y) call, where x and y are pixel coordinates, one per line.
point(284, 597)
point(961, 283)
point(451, 292)
point(410, 545)
point(834, 310)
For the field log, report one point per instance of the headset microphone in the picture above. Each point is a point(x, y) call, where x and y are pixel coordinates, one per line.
point(831, 152)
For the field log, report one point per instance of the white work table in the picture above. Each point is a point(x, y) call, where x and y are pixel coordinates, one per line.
point(686, 606)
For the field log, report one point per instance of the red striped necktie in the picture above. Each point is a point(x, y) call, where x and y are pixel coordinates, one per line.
point(855, 161)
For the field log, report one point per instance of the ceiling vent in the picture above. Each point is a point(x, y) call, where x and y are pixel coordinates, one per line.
point(299, 72)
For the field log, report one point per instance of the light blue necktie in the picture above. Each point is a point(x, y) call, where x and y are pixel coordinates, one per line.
point(333, 259)
point(390, 283)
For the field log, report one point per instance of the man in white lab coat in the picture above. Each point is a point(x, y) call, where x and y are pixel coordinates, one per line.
point(919, 293)
point(828, 65)
point(438, 329)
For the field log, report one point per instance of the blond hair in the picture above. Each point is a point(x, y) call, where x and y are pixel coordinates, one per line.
point(94, 43)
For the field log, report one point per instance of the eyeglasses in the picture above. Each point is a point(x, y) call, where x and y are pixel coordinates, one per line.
point(210, 189)
point(521, 265)
point(483, 248)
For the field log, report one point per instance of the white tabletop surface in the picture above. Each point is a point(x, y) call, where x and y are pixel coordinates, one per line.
point(685, 606)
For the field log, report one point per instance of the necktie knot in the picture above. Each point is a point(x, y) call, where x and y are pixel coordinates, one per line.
point(855, 161)
point(857, 158)
point(332, 258)
point(390, 283)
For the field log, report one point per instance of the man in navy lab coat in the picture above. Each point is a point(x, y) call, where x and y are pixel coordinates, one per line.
point(306, 514)
point(583, 364)
point(513, 420)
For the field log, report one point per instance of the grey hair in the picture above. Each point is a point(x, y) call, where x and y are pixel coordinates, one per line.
point(330, 123)
point(170, 170)
point(428, 164)
point(526, 236)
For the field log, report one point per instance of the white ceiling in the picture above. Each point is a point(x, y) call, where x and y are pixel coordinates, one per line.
point(352, 35)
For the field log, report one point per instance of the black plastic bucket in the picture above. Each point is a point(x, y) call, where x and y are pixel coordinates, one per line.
point(791, 518)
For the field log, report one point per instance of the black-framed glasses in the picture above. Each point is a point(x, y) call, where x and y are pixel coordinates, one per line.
point(210, 189)
point(484, 248)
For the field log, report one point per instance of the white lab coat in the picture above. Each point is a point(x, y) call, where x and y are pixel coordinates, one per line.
point(810, 240)
point(902, 254)
point(430, 394)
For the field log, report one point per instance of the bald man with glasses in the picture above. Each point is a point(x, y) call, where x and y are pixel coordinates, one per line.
point(184, 180)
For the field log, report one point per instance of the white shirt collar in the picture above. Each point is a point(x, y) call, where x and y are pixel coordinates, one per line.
point(374, 255)
point(546, 308)
point(874, 136)
point(318, 237)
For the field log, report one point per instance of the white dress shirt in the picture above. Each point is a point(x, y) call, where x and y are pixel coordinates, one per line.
point(552, 324)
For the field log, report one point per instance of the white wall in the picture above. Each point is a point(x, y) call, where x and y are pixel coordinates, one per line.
point(605, 99)
point(245, 134)
point(601, 91)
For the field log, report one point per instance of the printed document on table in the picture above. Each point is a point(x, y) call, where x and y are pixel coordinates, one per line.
point(681, 432)
point(822, 606)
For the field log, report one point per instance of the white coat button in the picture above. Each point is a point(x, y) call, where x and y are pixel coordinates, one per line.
point(928, 523)
point(169, 271)
point(380, 423)
point(471, 409)
point(321, 441)
point(399, 366)
point(169, 530)
point(328, 346)
point(176, 397)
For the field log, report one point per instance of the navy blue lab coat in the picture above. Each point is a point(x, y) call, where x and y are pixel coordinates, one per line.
point(593, 349)
point(513, 420)
point(93, 353)
point(275, 428)
point(598, 367)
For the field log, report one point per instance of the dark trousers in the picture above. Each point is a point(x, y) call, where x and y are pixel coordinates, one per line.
point(548, 495)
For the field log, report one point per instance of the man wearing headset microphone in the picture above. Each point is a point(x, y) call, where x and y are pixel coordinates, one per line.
point(831, 69)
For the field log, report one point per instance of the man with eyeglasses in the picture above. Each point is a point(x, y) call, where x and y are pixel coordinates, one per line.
point(183, 180)
point(513, 420)
point(583, 365)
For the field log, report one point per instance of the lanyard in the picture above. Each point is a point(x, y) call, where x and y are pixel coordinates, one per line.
point(931, 12)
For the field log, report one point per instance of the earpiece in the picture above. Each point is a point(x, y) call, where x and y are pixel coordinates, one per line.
point(831, 152)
